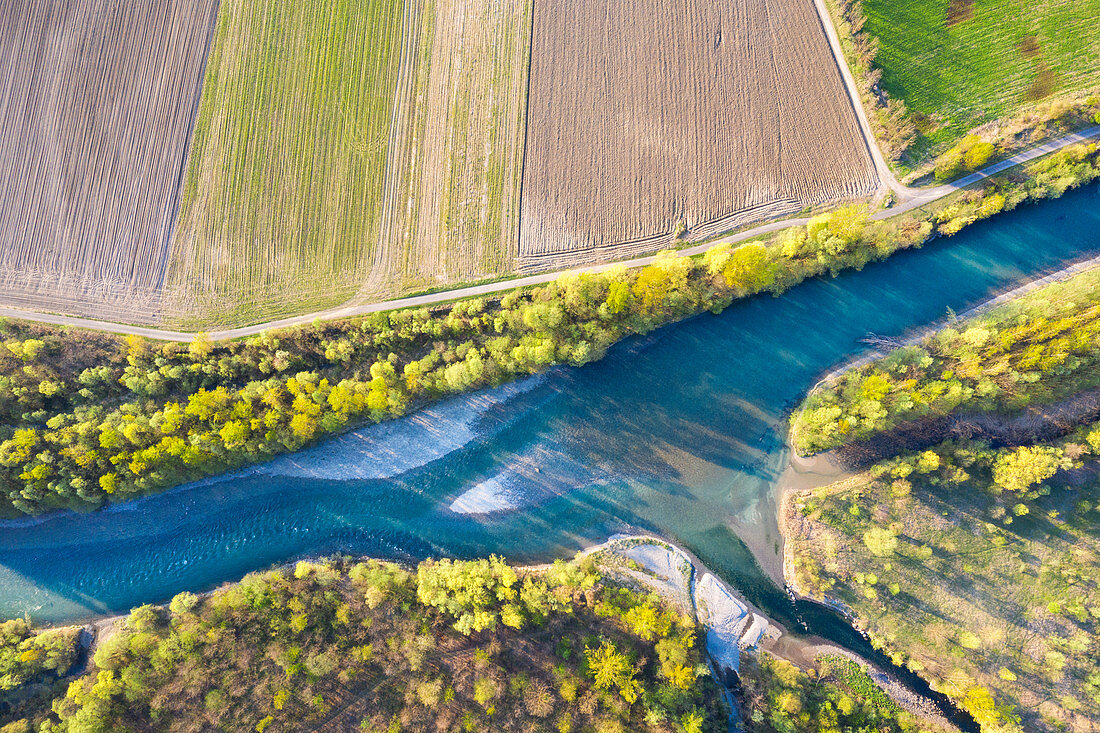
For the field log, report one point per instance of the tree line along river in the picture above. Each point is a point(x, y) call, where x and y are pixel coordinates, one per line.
point(681, 433)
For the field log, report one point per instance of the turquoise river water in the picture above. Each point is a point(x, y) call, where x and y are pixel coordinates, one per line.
point(680, 432)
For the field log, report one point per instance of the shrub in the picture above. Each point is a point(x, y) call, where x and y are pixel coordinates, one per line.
point(1018, 470)
point(968, 154)
point(881, 542)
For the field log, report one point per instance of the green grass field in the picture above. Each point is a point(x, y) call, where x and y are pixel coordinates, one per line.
point(283, 191)
point(960, 63)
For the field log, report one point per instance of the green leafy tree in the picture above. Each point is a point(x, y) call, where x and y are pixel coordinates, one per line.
point(472, 592)
point(881, 541)
point(610, 667)
point(749, 269)
point(1026, 466)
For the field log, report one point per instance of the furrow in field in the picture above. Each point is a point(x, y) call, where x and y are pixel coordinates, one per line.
point(97, 101)
point(648, 117)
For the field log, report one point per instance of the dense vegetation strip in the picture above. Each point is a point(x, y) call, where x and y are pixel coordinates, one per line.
point(339, 644)
point(960, 64)
point(449, 646)
point(282, 196)
point(32, 665)
point(836, 694)
point(91, 418)
point(1037, 349)
point(977, 568)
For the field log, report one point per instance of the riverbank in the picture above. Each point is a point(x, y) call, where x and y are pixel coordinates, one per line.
point(806, 651)
point(1030, 347)
point(836, 468)
point(167, 415)
point(937, 552)
point(940, 552)
point(1039, 422)
point(801, 473)
point(916, 336)
point(733, 625)
point(346, 643)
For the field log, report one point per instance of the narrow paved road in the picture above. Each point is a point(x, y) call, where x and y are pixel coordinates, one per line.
point(346, 311)
point(919, 197)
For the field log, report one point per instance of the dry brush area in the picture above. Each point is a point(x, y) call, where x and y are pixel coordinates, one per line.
point(97, 100)
point(649, 113)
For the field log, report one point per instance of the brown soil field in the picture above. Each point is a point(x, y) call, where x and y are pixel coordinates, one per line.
point(645, 114)
point(451, 212)
point(316, 151)
point(97, 102)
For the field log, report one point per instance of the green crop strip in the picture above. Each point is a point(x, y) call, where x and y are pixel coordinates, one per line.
point(962, 63)
point(284, 186)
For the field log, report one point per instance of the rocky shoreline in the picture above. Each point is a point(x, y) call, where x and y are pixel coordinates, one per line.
point(733, 625)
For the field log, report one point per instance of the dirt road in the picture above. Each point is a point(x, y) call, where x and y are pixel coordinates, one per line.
point(920, 199)
point(884, 173)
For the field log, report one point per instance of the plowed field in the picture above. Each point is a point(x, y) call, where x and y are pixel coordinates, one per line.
point(97, 100)
point(646, 113)
point(451, 212)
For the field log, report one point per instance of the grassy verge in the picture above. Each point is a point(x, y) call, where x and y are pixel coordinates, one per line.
point(1008, 136)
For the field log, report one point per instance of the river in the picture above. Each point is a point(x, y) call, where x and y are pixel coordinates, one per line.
point(680, 432)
